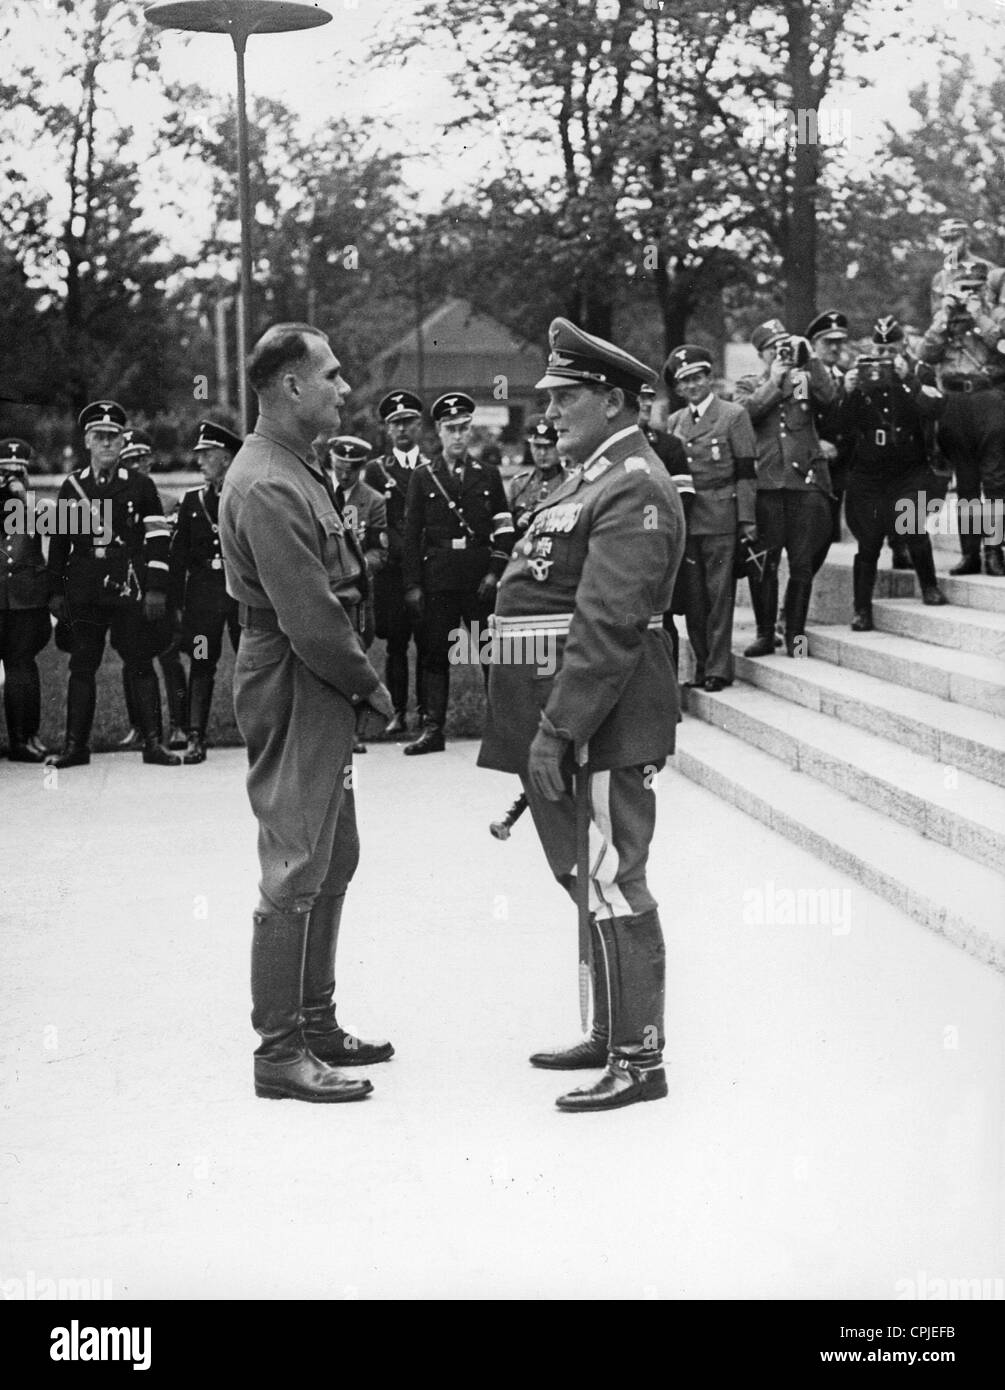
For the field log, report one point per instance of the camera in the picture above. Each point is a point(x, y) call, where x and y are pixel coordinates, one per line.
point(875, 371)
point(11, 476)
point(793, 351)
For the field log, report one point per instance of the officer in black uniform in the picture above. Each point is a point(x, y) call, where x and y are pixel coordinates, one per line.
point(24, 615)
point(198, 586)
point(882, 413)
point(110, 578)
point(138, 453)
point(390, 474)
point(458, 538)
point(531, 485)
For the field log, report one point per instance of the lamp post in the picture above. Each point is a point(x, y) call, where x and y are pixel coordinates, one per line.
point(240, 19)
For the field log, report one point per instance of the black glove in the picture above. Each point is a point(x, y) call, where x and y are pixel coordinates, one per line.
point(544, 765)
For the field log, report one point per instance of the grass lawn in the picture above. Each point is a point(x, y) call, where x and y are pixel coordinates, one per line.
point(465, 718)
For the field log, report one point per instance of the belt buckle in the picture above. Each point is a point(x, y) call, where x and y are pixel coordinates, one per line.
point(967, 385)
point(99, 552)
point(459, 543)
point(880, 438)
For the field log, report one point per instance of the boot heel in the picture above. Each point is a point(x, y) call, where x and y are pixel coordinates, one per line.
point(270, 1092)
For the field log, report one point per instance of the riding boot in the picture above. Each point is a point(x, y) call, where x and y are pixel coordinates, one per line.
point(863, 584)
point(200, 700)
point(764, 600)
point(177, 696)
point(591, 1051)
point(924, 567)
point(634, 957)
point(17, 699)
point(322, 1033)
point(147, 696)
point(994, 562)
point(133, 738)
point(970, 543)
point(797, 605)
point(285, 1068)
point(436, 687)
point(80, 700)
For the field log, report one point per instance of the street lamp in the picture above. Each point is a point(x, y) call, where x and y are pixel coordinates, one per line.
point(240, 19)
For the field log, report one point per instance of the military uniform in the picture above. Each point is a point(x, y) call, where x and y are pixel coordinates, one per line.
point(832, 327)
point(531, 486)
point(104, 576)
point(582, 662)
point(458, 529)
point(884, 419)
point(793, 485)
point(364, 509)
point(970, 369)
point(390, 475)
point(719, 444)
point(24, 616)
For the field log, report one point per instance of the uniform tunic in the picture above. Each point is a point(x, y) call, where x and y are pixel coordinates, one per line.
point(298, 572)
point(390, 475)
point(198, 583)
point(529, 487)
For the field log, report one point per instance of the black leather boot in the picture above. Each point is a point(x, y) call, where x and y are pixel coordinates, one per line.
point(200, 700)
point(147, 696)
point(436, 686)
point(18, 707)
point(176, 693)
point(764, 599)
point(591, 1051)
point(863, 583)
point(285, 1068)
point(322, 1033)
point(994, 562)
point(970, 544)
point(635, 959)
point(80, 700)
point(797, 605)
point(924, 567)
point(901, 553)
point(397, 725)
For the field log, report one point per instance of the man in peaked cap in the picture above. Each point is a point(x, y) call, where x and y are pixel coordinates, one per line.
point(591, 580)
point(198, 583)
point(109, 577)
point(828, 334)
point(532, 485)
point(720, 445)
point(24, 616)
point(401, 415)
point(953, 240)
point(458, 537)
point(793, 478)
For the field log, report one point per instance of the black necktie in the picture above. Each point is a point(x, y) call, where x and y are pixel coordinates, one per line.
point(339, 499)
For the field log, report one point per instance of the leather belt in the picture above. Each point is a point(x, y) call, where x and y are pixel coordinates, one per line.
point(551, 622)
point(969, 384)
point(263, 619)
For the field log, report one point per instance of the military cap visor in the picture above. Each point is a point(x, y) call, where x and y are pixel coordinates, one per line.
point(454, 405)
point(347, 448)
point(830, 324)
point(213, 436)
point(400, 405)
point(579, 358)
point(104, 415)
point(687, 361)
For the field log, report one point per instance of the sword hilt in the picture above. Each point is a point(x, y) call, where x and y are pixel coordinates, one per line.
point(500, 829)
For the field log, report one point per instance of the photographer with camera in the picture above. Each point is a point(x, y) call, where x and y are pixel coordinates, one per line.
point(966, 345)
point(108, 576)
point(793, 479)
point(24, 617)
point(953, 240)
point(883, 414)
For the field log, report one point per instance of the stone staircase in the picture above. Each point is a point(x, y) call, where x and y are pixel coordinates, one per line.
point(883, 753)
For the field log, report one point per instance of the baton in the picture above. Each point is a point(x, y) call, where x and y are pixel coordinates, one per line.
point(501, 828)
point(582, 777)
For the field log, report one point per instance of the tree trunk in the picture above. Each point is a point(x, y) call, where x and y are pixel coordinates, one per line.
point(800, 264)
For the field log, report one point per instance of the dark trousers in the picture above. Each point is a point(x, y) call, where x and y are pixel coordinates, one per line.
point(202, 636)
point(396, 625)
point(446, 612)
point(971, 435)
point(709, 603)
point(136, 641)
point(23, 634)
point(873, 513)
point(798, 523)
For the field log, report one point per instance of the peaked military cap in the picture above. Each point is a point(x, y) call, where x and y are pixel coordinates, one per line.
point(685, 361)
point(400, 405)
point(213, 436)
point(348, 448)
point(540, 431)
point(455, 405)
point(830, 324)
point(887, 330)
point(14, 451)
point(104, 415)
point(136, 444)
point(975, 272)
point(765, 335)
point(577, 356)
point(951, 227)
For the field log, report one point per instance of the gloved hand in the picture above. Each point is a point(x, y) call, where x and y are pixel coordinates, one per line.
point(415, 602)
point(748, 530)
point(487, 589)
point(154, 606)
point(59, 608)
point(373, 713)
point(544, 765)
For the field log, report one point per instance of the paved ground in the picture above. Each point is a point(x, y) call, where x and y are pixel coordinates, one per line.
point(835, 1125)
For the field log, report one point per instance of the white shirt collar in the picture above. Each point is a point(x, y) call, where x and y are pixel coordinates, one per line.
point(700, 409)
point(409, 459)
point(612, 439)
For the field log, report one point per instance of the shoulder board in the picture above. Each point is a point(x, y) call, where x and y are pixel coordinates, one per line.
point(636, 465)
point(595, 470)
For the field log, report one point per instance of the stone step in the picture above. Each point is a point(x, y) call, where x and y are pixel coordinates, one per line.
point(969, 739)
point(950, 895)
point(964, 629)
point(952, 807)
point(977, 591)
point(974, 681)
